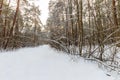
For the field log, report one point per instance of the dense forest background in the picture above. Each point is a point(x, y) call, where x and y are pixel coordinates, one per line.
point(87, 28)
point(19, 24)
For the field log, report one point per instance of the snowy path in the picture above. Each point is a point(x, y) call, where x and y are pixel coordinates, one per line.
point(43, 63)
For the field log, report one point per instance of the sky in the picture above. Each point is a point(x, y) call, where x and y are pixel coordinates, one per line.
point(43, 4)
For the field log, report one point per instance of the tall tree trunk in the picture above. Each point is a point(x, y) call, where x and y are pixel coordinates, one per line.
point(114, 13)
point(13, 25)
point(89, 25)
point(72, 41)
point(67, 29)
point(115, 20)
point(1, 5)
point(80, 27)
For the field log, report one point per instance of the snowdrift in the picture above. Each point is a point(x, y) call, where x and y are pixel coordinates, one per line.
point(44, 63)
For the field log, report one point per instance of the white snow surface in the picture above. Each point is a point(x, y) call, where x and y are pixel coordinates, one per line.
point(44, 63)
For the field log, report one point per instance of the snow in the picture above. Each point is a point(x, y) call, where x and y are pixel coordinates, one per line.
point(44, 63)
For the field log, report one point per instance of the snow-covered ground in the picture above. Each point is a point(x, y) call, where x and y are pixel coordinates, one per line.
point(44, 63)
